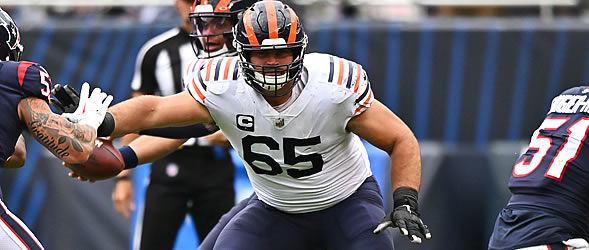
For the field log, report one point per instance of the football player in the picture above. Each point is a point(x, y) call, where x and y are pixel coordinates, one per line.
point(24, 96)
point(297, 125)
point(549, 205)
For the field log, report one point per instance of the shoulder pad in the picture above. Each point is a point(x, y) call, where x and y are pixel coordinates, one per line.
point(211, 75)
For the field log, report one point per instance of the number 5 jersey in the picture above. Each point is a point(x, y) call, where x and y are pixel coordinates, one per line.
point(18, 80)
point(301, 159)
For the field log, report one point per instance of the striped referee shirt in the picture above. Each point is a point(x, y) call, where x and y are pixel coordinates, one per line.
point(158, 69)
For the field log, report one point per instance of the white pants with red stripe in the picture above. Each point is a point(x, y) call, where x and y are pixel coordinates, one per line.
point(572, 244)
point(15, 234)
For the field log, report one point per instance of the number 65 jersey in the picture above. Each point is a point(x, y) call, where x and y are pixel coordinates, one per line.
point(553, 174)
point(18, 80)
point(301, 159)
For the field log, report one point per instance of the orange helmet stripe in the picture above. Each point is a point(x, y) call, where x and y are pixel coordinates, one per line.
point(292, 36)
point(200, 95)
point(193, 6)
point(247, 22)
point(222, 6)
point(272, 19)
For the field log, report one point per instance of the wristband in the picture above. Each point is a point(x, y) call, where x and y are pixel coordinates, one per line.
point(405, 196)
point(129, 157)
point(107, 126)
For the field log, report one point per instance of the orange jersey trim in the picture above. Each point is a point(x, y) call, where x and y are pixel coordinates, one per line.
point(357, 84)
point(340, 76)
point(227, 65)
point(209, 70)
point(365, 103)
point(200, 95)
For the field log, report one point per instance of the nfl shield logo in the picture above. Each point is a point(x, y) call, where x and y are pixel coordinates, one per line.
point(279, 122)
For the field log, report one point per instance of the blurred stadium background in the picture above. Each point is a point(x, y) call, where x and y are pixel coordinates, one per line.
point(471, 78)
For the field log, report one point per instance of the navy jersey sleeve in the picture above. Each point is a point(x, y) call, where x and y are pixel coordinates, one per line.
point(18, 80)
point(32, 78)
point(28, 77)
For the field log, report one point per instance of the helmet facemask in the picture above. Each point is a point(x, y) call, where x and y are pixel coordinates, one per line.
point(270, 80)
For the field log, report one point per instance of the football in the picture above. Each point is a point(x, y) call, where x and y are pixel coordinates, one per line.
point(104, 162)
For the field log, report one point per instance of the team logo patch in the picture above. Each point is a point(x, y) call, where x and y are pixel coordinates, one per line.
point(245, 122)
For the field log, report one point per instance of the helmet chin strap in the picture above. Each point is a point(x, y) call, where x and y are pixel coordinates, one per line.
point(274, 82)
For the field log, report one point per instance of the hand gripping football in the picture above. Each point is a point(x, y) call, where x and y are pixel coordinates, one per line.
point(104, 162)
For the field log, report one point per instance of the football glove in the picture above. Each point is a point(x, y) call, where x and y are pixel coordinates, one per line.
point(91, 108)
point(65, 99)
point(405, 216)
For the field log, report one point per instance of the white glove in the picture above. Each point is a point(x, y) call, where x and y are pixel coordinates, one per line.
point(92, 107)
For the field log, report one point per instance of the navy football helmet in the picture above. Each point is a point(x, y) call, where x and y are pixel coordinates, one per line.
point(212, 20)
point(10, 47)
point(270, 25)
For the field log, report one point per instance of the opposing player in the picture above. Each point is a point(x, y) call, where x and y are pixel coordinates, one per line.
point(549, 205)
point(24, 95)
point(297, 125)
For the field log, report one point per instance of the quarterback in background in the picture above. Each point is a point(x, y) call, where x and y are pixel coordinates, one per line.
point(296, 121)
point(25, 89)
point(549, 206)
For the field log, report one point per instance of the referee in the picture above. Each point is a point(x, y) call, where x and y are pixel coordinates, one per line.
point(196, 179)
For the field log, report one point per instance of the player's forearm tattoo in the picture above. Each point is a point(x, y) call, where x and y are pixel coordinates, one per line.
point(57, 134)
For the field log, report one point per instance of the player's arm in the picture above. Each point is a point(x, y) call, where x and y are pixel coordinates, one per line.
point(217, 139)
point(186, 132)
point(382, 128)
point(18, 158)
point(395, 138)
point(149, 111)
point(151, 148)
point(70, 142)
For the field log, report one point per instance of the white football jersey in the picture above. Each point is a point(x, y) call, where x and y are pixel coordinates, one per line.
point(302, 159)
